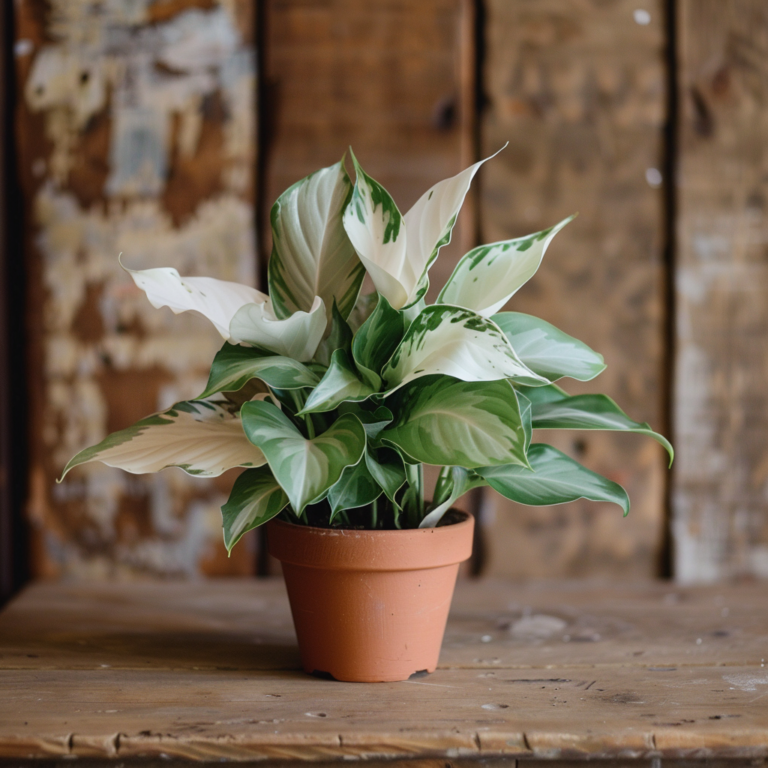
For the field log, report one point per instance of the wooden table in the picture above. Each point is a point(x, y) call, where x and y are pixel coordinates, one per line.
point(209, 671)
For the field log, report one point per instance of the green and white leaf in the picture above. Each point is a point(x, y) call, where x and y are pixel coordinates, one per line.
point(373, 422)
point(526, 417)
point(555, 409)
point(387, 469)
point(554, 478)
point(547, 350)
point(311, 253)
point(340, 337)
point(363, 308)
point(446, 422)
point(234, 366)
point(200, 437)
point(429, 224)
point(376, 341)
point(456, 342)
point(340, 384)
point(459, 478)
point(297, 336)
point(305, 468)
point(355, 488)
point(256, 498)
point(218, 300)
point(488, 276)
point(375, 227)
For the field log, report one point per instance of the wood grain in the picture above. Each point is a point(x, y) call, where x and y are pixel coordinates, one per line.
point(127, 143)
point(721, 400)
point(578, 89)
point(211, 672)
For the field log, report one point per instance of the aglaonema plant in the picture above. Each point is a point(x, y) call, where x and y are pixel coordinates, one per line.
point(333, 401)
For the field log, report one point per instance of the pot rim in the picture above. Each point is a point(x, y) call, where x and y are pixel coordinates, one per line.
point(371, 550)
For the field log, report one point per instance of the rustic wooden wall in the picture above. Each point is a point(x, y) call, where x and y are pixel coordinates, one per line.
point(578, 89)
point(135, 126)
point(721, 397)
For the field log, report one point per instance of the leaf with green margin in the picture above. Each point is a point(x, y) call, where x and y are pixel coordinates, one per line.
point(311, 253)
point(355, 488)
point(375, 227)
point(456, 342)
point(442, 421)
point(376, 341)
point(234, 366)
point(547, 350)
point(306, 469)
point(341, 383)
point(487, 277)
point(526, 417)
point(555, 409)
point(387, 469)
point(429, 224)
point(373, 421)
point(554, 478)
point(200, 437)
point(364, 306)
point(459, 478)
point(340, 337)
point(256, 498)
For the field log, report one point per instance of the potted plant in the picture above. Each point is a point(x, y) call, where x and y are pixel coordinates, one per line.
point(333, 402)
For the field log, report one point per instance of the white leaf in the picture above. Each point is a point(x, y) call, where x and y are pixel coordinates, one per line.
point(200, 437)
point(459, 343)
point(298, 336)
point(488, 276)
point(218, 300)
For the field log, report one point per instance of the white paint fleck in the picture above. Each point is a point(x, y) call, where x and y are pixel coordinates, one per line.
point(746, 681)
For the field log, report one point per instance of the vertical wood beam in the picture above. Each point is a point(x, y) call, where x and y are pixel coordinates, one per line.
point(721, 417)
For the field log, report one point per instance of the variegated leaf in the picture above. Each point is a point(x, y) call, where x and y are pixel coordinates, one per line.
point(305, 468)
point(311, 253)
point(341, 383)
point(297, 336)
point(218, 300)
point(375, 228)
point(256, 498)
point(554, 478)
point(459, 478)
point(377, 340)
point(387, 469)
point(234, 366)
point(355, 488)
point(430, 221)
point(200, 437)
point(488, 276)
point(442, 421)
point(456, 342)
point(547, 350)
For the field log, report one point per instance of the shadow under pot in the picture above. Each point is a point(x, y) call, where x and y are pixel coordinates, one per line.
point(370, 606)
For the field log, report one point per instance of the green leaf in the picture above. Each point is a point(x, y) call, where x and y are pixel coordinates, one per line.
point(234, 366)
point(456, 342)
point(340, 337)
point(355, 488)
point(554, 409)
point(306, 469)
point(488, 276)
point(387, 469)
point(311, 253)
point(200, 437)
point(526, 417)
point(256, 498)
point(554, 478)
point(340, 384)
point(365, 305)
point(446, 422)
point(377, 340)
point(375, 227)
point(547, 350)
point(459, 482)
point(373, 421)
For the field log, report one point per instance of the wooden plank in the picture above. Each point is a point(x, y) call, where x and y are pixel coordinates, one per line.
point(721, 401)
point(567, 704)
point(578, 89)
point(135, 134)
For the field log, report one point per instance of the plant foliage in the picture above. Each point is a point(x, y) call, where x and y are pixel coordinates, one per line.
point(334, 401)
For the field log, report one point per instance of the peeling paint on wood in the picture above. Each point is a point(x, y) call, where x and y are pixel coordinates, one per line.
point(136, 132)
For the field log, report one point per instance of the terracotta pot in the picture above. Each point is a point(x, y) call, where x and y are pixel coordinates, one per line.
point(370, 606)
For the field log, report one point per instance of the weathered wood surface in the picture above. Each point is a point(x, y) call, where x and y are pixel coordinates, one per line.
point(210, 671)
point(136, 126)
point(721, 398)
point(578, 89)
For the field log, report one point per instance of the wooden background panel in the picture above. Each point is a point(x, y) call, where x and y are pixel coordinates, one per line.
point(135, 126)
point(387, 78)
point(578, 89)
point(721, 398)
